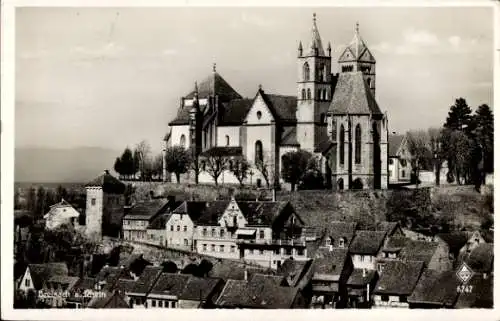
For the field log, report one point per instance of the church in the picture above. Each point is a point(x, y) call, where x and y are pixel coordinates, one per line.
point(333, 116)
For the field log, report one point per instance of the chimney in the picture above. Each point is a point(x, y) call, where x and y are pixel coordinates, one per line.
point(245, 275)
point(106, 171)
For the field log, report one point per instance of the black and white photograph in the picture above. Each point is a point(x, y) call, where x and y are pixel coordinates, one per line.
point(289, 157)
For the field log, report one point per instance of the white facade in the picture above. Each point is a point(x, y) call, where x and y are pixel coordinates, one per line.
point(180, 134)
point(26, 283)
point(389, 301)
point(135, 230)
point(228, 136)
point(362, 261)
point(94, 212)
point(61, 213)
point(179, 231)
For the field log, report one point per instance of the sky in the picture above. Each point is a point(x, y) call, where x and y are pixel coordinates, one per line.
point(111, 77)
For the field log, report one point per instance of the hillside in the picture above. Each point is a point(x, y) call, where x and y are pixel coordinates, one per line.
point(50, 165)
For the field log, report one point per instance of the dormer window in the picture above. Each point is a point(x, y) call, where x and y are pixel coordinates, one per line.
point(328, 241)
point(341, 242)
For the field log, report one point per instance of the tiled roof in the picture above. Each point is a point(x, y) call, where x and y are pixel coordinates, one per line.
point(480, 259)
point(337, 230)
point(170, 284)
point(394, 144)
point(282, 107)
point(316, 41)
point(330, 262)
point(322, 142)
point(63, 282)
point(289, 136)
point(413, 250)
point(213, 85)
point(367, 242)
point(229, 270)
point(85, 283)
point(353, 96)
point(109, 183)
point(387, 227)
point(147, 279)
point(113, 300)
point(436, 287)
point(264, 213)
point(147, 209)
point(235, 111)
point(198, 289)
point(357, 279)
point(263, 295)
point(294, 270)
point(125, 285)
point(399, 278)
point(481, 295)
point(356, 48)
point(40, 273)
point(204, 213)
point(223, 151)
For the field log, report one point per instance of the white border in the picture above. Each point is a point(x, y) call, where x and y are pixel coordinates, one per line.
point(7, 173)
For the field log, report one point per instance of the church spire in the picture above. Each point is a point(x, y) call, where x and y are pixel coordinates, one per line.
point(300, 48)
point(316, 47)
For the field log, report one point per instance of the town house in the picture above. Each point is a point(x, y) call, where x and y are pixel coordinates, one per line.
point(180, 225)
point(365, 247)
point(136, 221)
point(60, 214)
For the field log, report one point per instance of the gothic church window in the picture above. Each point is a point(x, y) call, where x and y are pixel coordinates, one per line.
point(320, 96)
point(306, 71)
point(308, 93)
point(227, 140)
point(325, 94)
point(323, 118)
point(341, 143)
point(303, 94)
point(182, 141)
point(334, 130)
point(320, 72)
point(369, 82)
point(357, 151)
point(259, 156)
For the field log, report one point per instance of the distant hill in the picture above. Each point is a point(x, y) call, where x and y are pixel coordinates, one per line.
point(51, 165)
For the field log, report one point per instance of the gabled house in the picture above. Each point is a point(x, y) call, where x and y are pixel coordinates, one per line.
point(475, 239)
point(165, 291)
point(79, 295)
point(365, 248)
point(297, 273)
point(200, 293)
point(396, 283)
point(399, 159)
point(332, 268)
point(138, 217)
point(36, 275)
point(60, 214)
point(435, 290)
point(114, 300)
point(480, 259)
point(143, 285)
point(260, 292)
point(360, 286)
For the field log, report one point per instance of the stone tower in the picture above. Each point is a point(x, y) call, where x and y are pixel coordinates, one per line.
point(356, 126)
point(104, 206)
point(314, 89)
point(357, 57)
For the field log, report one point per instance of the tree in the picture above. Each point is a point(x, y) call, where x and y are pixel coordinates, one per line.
point(31, 199)
point(143, 150)
point(312, 178)
point(459, 115)
point(127, 163)
point(483, 134)
point(196, 167)
point(169, 267)
point(118, 166)
point(420, 151)
point(459, 152)
point(177, 161)
point(240, 169)
point(216, 163)
point(157, 166)
point(294, 166)
point(40, 201)
point(136, 163)
point(61, 193)
point(436, 143)
point(265, 167)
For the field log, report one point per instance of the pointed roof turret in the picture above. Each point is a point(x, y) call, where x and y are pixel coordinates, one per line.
point(316, 43)
point(196, 104)
point(300, 48)
point(357, 49)
point(214, 84)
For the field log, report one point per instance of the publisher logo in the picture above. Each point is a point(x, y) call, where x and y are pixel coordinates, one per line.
point(464, 273)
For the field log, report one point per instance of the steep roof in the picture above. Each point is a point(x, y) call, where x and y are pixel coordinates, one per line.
point(213, 85)
point(436, 287)
point(147, 279)
point(203, 213)
point(316, 40)
point(229, 270)
point(353, 96)
point(282, 107)
point(294, 270)
point(289, 136)
point(337, 230)
point(414, 250)
point(357, 49)
point(263, 295)
point(108, 182)
point(125, 285)
point(330, 262)
point(480, 259)
point(399, 278)
point(394, 144)
point(358, 279)
point(235, 111)
point(367, 242)
point(199, 289)
point(40, 273)
point(170, 284)
point(146, 209)
point(263, 213)
point(113, 300)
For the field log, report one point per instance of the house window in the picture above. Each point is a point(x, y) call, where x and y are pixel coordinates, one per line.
point(153, 303)
point(213, 247)
point(259, 156)
point(380, 267)
point(185, 228)
point(328, 241)
point(403, 173)
point(204, 233)
point(391, 161)
point(288, 251)
point(277, 251)
point(361, 258)
point(138, 301)
point(306, 71)
point(173, 305)
point(261, 234)
point(341, 142)
point(341, 242)
point(178, 228)
point(171, 228)
point(227, 140)
point(250, 251)
point(213, 232)
point(357, 151)
point(261, 252)
point(300, 252)
point(221, 233)
point(230, 165)
point(259, 114)
point(27, 283)
point(385, 298)
point(403, 299)
point(204, 247)
point(221, 248)
point(92, 201)
point(308, 93)
point(160, 303)
point(319, 95)
point(233, 248)
point(186, 242)
point(182, 141)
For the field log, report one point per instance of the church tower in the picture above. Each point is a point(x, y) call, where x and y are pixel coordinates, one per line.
point(314, 89)
point(356, 125)
point(357, 57)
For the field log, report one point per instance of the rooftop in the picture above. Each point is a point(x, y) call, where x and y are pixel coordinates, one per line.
point(367, 242)
point(330, 262)
point(146, 209)
point(399, 278)
point(436, 288)
point(108, 182)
